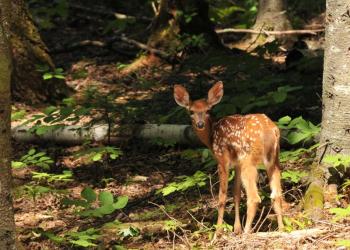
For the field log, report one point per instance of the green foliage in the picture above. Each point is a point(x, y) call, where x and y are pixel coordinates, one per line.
point(171, 225)
point(343, 243)
point(189, 42)
point(346, 184)
point(129, 232)
point(204, 156)
point(292, 224)
point(184, 183)
point(66, 176)
point(33, 158)
point(35, 191)
point(298, 129)
point(106, 203)
point(48, 74)
point(293, 176)
point(18, 115)
point(340, 213)
point(162, 142)
point(294, 156)
point(246, 102)
point(226, 227)
point(238, 14)
point(337, 160)
point(100, 153)
point(84, 239)
point(44, 11)
point(102, 106)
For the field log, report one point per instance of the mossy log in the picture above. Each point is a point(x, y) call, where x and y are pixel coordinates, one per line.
point(314, 196)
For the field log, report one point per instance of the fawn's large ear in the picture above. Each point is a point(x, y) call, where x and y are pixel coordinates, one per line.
point(215, 94)
point(181, 96)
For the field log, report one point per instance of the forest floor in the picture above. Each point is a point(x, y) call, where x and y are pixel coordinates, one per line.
point(181, 220)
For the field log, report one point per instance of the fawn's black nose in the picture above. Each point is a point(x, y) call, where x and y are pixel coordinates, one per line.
point(200, 125)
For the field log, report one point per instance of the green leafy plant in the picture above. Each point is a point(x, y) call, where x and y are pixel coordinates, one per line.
point(129, 232)
point(18, 115)
point(340, 213)
point(35, 191)
point(84, 239)
point(33, 158)
point(66, 176)
point(298, 129)
point(293, 156)
point(299, 223)
point(184, 183)
point(48, 73)
point(293, 176)
point(99, 153)
point(98, 107)
point(171, 225)
point(337, 160)
point(106, 203)
point(226, 227)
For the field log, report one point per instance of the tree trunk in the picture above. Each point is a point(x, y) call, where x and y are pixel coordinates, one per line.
point(272, 16)
point(7, 224)
point(28, 51)
point(178, 18)
point(335, 132)
point(181, 27)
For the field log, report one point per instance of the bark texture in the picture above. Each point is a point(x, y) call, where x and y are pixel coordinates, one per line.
point(7, 225)
point(336, 79)
point(272, 16)
point(335, 132)
point(28, 51)
point(179, 17)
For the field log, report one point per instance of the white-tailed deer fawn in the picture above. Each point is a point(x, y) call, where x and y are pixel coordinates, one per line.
point(243, 141)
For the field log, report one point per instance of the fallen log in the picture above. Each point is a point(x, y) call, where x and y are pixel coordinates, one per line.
point(75, 135)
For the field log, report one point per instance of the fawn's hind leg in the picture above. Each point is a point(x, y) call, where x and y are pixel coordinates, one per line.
point(249, 175)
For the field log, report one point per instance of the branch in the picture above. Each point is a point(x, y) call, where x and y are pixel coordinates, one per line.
point(272, 32)
point(102, 12)
point(108, 44)
point(162, 54)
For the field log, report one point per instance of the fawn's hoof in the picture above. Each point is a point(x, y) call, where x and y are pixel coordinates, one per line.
point(237, 229)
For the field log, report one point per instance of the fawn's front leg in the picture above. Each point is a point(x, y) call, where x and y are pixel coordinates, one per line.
point(223, 176)
point(237, 200)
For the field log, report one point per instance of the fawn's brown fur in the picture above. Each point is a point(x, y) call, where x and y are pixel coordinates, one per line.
point(243, 141)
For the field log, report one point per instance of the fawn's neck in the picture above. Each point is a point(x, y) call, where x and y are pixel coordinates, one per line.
point(205, 135)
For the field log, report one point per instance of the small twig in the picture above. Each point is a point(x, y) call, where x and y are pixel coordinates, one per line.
point(257, 37)
point(154, 8)
point(211, 187)
point(262, 223)
point(201, 223)
point(272, 32)
point(143, 46)
point(325, 145)
point(185, 241)
point(261, 214)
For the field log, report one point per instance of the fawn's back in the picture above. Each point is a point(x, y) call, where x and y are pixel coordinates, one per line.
point(253, 135)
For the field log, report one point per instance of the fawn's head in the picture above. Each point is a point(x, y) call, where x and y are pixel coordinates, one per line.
point(199, 108)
